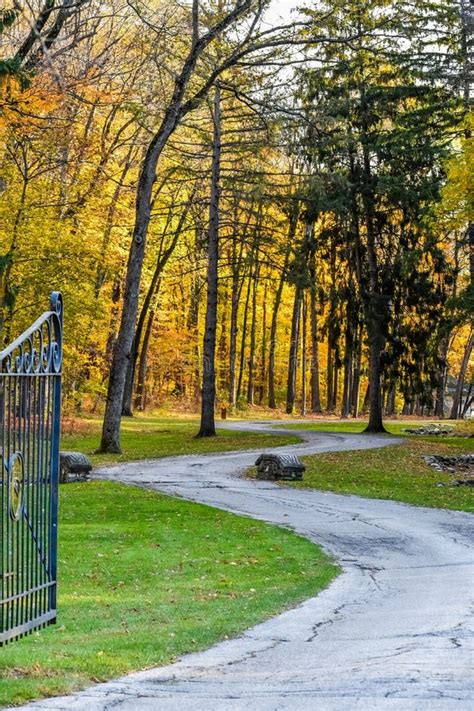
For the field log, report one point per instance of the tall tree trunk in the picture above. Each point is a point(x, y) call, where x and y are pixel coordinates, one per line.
point(366, 400)
point(164, 256)
point(272, 346)
point(391, 395)
point(442, 377)
point(293, 354)
point(253, 331)
point(315, 384)
point(406, 404)
point(110, 442)
point(274, 325)
point(193, 329)
point(418, 410)
point(332, 339)
point(337, 367)
point(244, 337)
point(208, 427)
point(237, 284)
point(263, 356)
point(304, 360)
point(348, 367)
point(375, 423)
point(233, 345)
point(140, 398)
point(375, 311)
point(330, 377)
point(457, 400)
point(222, 348)
point(375, 301)
point(355, 386)
point(177, 108)
point(101, 271)
point(127, 410)
point(112, 335)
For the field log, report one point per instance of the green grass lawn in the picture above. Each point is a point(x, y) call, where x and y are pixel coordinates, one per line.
point(395, 427)
point(154, 437)
point(144, 578)
point(398, 473)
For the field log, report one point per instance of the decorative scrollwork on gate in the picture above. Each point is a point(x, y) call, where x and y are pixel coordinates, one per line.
point(39, 349)
point(15, 486)
point(30, 403)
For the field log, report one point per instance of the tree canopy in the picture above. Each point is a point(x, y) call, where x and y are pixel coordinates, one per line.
point(275, 216)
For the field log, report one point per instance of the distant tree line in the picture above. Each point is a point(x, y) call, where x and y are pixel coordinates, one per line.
point(243, 215)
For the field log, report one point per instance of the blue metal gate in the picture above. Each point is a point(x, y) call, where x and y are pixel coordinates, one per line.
point(30, 408)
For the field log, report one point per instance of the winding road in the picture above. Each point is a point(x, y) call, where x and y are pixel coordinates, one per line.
point(393, 631)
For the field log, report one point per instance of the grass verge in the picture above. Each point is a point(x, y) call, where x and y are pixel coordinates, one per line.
point(461, 442)
point(154, 437)
point(398, 473)
point(145, 578)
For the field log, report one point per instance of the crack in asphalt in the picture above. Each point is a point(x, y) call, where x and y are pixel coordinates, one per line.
point(393, 631)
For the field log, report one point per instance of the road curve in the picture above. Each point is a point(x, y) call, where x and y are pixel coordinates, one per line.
point(394, 631)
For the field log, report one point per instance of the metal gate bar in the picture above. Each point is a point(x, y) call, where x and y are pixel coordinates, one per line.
point(30, 413)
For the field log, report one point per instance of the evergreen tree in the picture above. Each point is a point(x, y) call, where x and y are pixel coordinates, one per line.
point(380, 126)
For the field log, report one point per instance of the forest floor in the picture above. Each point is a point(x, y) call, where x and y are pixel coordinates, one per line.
point(144, 577)
point(398, 474)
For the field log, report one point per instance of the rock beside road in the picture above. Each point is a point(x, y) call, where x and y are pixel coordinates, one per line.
point(430, 430)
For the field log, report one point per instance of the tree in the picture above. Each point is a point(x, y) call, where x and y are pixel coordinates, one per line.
point(296, 202)
point(208, 428)
point(43, 29)
point(185, 98)
point(379, 127)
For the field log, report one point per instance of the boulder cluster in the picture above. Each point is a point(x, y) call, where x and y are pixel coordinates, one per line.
point(460, 466)
point(436, 430)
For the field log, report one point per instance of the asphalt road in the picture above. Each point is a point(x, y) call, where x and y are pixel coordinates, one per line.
point(394, 631)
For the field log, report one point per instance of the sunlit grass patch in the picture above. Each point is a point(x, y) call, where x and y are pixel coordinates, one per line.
point(398, 473)
point(144, 578)
point(397, 427)
point(148, 437)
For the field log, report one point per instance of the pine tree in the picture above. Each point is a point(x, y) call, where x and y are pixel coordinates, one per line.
point(380, 122)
